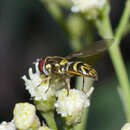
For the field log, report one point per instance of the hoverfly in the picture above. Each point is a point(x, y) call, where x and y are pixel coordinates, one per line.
point(62, 67)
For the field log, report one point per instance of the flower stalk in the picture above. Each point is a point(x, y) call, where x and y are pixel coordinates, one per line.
point(54, 9)
point(83, 123)
point(68, 127)
point(115, 53)
point(120, 31)
point(49, 117)
point(88, 84)
point(71, 107)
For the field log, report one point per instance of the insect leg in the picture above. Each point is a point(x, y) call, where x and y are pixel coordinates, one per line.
point(48, 82)
point(48, 85)
point(44, 80)
point(68, 85)
point(83, 85)
point(90, 91)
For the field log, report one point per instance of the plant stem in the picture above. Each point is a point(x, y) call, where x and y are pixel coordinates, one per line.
point(56, 12)
point(75, 44)
point(105, 30)
point(79, 85)
point(122, 77)
point(83, 124)
point(49, 117)
point(123, 23)
point(68, 127)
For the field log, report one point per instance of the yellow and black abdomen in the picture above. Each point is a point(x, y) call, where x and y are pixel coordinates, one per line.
point(79, 69)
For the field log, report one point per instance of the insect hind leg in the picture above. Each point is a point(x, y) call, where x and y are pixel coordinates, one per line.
point(68, 85)
point(83, 85)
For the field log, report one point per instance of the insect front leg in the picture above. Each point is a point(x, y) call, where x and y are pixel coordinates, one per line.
point(48, 82)
point(43, 80)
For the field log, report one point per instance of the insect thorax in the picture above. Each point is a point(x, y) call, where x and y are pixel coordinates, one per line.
point(54, 64)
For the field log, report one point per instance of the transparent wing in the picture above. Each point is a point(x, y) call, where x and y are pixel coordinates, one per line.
point(93, 49)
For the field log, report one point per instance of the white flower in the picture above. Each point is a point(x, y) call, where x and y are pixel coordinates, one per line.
point(126, 127)
point(85, 5)
point(7, 125)
point(25, 116)
point(91, 7)
point(43, 93)
point(38, 85)
point(71, 106)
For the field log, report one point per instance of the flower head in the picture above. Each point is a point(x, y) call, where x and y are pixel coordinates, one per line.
point(91, 7)
point(126, 127)
point(71, 106)
point(25, 116)
point(40, 89)
point(7, 125)
point(38, 84)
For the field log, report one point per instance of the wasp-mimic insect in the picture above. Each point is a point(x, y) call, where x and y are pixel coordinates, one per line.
point(63, 68)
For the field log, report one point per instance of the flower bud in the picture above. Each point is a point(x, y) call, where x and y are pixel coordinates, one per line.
point(126, 127)
point(7, 125)
point(25, 116)
point(71, 106)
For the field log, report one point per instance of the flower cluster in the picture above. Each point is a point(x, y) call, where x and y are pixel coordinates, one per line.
point(24, 118)
point(70, 107)
point(7, 125)
point(47, 97)
point(37, 85)
point(40, 90)
point(91, 7)
point(85, 5)
point(126, 127)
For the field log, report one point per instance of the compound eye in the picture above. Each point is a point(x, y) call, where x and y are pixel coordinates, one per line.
point(46, 69)
point(41, 65)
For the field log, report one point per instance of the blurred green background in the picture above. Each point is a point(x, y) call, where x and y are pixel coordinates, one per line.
point(28, 32)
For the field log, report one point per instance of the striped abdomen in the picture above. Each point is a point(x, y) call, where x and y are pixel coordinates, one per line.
point(79, 69)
